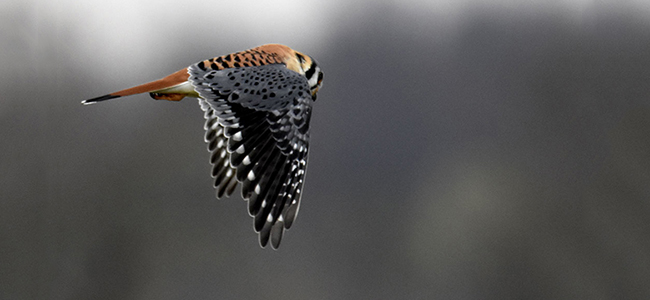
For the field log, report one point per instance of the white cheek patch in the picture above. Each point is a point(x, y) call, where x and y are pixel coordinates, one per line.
point(313, 81)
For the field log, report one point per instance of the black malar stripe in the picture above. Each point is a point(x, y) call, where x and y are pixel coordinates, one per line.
point(311, 70)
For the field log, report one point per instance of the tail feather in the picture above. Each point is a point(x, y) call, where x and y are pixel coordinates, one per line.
point(158, 87)
point(100, 98)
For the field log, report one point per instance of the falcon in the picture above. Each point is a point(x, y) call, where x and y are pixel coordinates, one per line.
point(257, 106)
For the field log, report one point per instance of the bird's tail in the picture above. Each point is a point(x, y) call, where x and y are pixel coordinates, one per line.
point(173, 87)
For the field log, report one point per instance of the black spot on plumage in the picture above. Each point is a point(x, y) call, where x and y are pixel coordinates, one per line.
point(237, 59)
point(212, 145)
point(236, 65)
point(201, 66)
point(219, 60)
point(214, 66)
point(210, 134)
point(272, 95)
point(300, 57)
point(305, 127)
point(227, 57)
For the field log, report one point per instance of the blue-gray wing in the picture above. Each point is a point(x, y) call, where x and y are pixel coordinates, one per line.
point(257, 129)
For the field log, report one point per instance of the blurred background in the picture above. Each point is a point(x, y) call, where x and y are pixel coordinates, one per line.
point(460, 150)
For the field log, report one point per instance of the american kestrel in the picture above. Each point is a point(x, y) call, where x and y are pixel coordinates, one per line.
point(257, 107)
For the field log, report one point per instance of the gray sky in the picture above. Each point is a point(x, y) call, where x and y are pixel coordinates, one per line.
point(460, 150)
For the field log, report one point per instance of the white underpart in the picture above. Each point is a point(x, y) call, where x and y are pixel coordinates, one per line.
point(313, 81)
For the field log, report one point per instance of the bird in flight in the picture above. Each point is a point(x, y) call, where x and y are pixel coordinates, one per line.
point(257, 106)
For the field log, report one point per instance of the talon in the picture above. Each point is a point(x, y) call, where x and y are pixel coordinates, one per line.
point(169, 97)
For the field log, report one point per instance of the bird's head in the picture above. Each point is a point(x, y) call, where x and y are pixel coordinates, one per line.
point(310, 69)
point(298, 62)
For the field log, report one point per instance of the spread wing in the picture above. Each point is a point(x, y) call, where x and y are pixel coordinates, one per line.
point(257, 129)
